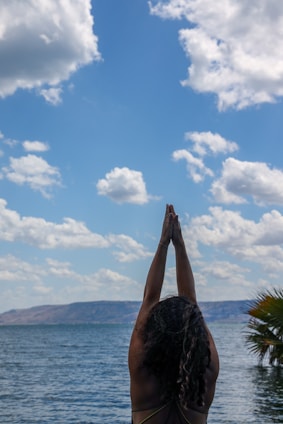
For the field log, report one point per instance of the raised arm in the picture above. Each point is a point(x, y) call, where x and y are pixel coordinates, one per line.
point(154, 281)
point(184, 273)
point(156, 271)
point(186, 287)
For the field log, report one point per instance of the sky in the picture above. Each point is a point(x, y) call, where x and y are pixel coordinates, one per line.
point(111, 109)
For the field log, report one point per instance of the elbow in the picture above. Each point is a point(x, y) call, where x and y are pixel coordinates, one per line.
point(150, 298)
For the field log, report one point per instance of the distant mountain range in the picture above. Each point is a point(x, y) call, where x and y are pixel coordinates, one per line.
point(114, 312)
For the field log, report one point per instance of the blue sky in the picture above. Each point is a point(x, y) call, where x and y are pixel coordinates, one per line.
point(111, 109)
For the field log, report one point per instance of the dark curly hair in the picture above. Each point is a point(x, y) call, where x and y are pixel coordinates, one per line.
point(177, 350)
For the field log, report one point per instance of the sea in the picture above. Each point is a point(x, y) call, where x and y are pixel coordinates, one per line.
point(79, 374)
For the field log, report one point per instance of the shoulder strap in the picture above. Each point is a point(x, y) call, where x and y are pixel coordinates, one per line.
point(154, 413)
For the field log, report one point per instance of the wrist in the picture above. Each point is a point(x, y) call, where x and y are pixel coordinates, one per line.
point(164, 244)
point(179, 244)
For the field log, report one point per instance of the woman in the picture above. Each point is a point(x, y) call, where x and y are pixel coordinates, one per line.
point(173, 360)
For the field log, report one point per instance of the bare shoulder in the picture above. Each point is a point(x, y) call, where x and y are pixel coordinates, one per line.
point(136, 348)
point(143, 386)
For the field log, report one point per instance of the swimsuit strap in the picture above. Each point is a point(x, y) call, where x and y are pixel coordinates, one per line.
point(182, 413)
point(161, 409)
point(154, 413)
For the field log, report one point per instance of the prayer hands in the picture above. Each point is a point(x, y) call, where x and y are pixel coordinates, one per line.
point(177, 237)
point(171, 229)
point(166, 233)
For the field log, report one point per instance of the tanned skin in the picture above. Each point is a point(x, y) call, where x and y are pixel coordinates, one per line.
point(145, 393)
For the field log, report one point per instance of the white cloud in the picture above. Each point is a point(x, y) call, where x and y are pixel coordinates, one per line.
point(35, 146)
point(130, 249)
point(195, 166)
point(44, 234)
point(253, 179)
point(13, 269)
point(94, 281)
point(33, 171)
point(62, 270)
point(258, 242)
point(115, 286)
point(124, 185)
point(230, 273)
point(38, 283)
point(102, 284)
point(205, 143)
point(216, 280)
point(50, 39)
point(52, 95)
point(10, 142)
point(70, 234)
point(234, 48)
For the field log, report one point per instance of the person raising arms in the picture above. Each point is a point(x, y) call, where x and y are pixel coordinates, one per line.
point(173, 361)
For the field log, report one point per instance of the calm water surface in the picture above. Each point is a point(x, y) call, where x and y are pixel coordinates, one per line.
point(79, 374)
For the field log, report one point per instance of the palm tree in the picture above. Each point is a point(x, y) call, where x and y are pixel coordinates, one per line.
point(265, 335)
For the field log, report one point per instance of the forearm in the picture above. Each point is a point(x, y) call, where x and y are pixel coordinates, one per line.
point(184, 273)
point(156, 274)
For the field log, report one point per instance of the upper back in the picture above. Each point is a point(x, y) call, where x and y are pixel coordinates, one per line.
point(145, 388)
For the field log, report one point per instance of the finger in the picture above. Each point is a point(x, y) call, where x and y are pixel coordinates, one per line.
point(176, 218)
point(173, 210)
point(166, 210)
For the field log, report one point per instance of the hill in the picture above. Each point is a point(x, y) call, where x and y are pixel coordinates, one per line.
point(110, 312)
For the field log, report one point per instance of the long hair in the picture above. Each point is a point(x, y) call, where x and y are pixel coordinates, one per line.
point(177, 350)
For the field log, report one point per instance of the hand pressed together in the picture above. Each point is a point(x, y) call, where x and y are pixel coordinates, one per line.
point(166, 233)
point(171, 229)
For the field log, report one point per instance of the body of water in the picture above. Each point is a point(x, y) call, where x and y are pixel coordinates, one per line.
point(78, 374)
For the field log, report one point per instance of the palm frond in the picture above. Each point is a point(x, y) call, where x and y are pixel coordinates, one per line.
point(268, 307)
point(265, 335)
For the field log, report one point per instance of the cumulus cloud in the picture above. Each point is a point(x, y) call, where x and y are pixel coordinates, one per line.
point(195, 166)
point(70, 234)
point(40, 281)
point(124, 185)
point(95, 283)
point(230, 273)
point(102, 284)
point(62, 270)
point(33, 171)
point(234, 48)
point(14, 269)
point(258, 242)
point(35, 146)
point(43, 43)
point(116, 283)
point(130, 249)
point(224, 280)
point(205, 143)
point(44, 234)
point(254, 179)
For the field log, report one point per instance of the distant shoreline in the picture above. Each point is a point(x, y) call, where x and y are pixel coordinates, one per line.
point(114, 312)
